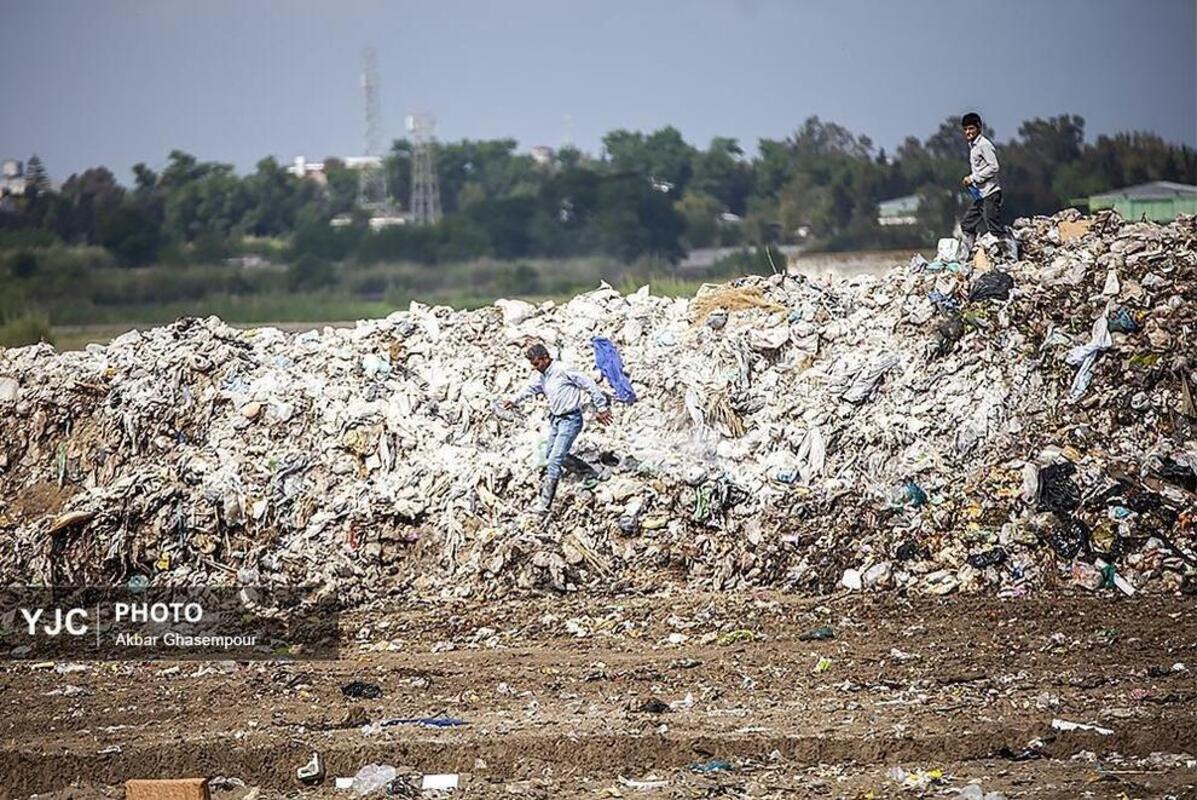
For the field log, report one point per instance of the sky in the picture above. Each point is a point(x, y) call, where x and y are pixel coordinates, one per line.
point(115, 82)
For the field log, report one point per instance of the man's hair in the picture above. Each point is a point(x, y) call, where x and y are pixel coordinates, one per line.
point(536, 351)
point(971, 118)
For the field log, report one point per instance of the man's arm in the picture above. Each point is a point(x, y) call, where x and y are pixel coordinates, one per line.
point(990, 166)
point(586, 384)
point(534, 387)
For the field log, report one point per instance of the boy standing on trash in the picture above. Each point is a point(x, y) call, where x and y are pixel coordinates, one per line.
point(564, 389)
point(985, 213)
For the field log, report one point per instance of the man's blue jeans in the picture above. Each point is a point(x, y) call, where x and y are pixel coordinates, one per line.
point(562, 432)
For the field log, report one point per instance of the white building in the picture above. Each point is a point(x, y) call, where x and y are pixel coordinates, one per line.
point(12, 178)
point(302, 168)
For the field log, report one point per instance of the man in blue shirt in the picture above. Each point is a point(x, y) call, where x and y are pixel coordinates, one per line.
point(566, 392)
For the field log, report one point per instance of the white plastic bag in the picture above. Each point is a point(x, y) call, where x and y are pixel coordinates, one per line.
point(372, 778)
point(949, 250)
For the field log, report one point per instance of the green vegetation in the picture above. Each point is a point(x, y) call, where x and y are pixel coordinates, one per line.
point(18, 325)
point(24, 330)
point(161, 294)
point(198, 238)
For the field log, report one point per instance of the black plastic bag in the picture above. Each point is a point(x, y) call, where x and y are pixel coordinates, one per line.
point(361, 690)
point(1178, 474)
point(992, 285)
point(1057, 491)
point(1070, 538)
point(987, 558)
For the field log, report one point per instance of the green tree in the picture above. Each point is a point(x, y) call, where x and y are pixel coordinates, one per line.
point(663, 157)
point(211, 204)
point(273, 199)
point(721, 172)
point(459, 238)
point(181, 168)
point(398, 165)
point(86, 200)
point(1030, 162)
point(491, 165)
point(805, 204)
point(37, 180)
point(633, 220)
point(23, 264)
point(565, 207)
point(700, 213)
point(319, 239)
point(340, 191)
point(568, 157)
point(773, 167)
point(310, 272)
point(130, 235)
point(505, 223)
point(1126, 159)
point(820, 139)
point(145, 180)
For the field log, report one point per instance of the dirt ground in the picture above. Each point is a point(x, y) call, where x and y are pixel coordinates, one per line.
point(629, 696)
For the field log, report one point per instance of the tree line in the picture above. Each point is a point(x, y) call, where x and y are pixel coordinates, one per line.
point(646, 195)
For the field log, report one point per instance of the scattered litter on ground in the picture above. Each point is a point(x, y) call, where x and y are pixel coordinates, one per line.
point(1065, 725)
point(312, 772)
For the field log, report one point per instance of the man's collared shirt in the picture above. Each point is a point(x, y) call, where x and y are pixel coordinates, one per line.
point(564, 388)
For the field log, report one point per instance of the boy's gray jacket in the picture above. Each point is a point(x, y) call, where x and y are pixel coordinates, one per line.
point(982, 160)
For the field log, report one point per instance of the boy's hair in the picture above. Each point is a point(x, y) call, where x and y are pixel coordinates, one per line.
point(971, 118)
point(536, 351)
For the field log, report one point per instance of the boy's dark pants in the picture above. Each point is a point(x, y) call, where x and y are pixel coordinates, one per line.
point(984, 215)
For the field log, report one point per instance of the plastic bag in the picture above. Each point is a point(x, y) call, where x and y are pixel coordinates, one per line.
point(372, 778)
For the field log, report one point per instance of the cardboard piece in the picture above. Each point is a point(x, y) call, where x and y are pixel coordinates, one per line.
point(171, 789)
point(981, 262)
point(1074, 230)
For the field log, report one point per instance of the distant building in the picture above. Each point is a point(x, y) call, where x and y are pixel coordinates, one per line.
point(899, 211)
point(380, 221)
point(359, 162)
point(314, 170)
point(12, 178)
point(542, 155)
point(1159, 201)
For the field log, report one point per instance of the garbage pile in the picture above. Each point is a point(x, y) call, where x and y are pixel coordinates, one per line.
point(987, 425)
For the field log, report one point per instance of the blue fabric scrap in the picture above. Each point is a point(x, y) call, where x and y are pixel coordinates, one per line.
point(607, 359)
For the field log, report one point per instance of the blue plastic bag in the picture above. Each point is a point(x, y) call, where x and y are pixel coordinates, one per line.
point(607, 359)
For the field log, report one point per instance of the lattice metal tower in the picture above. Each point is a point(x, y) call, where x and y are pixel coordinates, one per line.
point(372, 178)
point(425, 194)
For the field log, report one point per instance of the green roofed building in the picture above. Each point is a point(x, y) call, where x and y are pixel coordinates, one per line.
point(1160, 201)
point(899, 211)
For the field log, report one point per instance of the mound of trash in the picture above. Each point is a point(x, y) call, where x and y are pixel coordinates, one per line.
point(947, 426)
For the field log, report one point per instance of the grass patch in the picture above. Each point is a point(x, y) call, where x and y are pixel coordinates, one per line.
point(25, 330)
point(87, 299)
point(256, 308)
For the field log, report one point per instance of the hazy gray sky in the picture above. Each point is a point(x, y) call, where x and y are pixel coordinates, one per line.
point(113, 82)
